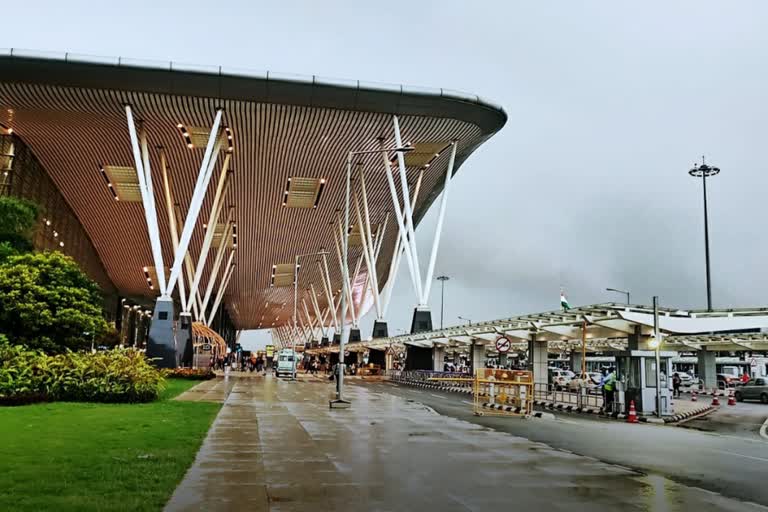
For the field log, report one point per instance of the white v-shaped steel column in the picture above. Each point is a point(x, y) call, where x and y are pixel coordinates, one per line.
point(307, 316)
point(369, 249)
point(171, 220)
point(194, 301)
point(210, 230)
point(226, 238)
point(401, 227)
point(397, 253)
point(229, 270)
point(141, 160)
point(329, 291)
point(348, 287)
point(439, 227)
point(198, 195)
point(407, 226)
point(407, 210)
point(316, 308)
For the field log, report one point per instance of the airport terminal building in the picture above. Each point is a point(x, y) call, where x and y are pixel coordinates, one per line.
point(217, 197)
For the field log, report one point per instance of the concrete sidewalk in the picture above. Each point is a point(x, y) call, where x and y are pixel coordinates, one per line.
point(276, 446)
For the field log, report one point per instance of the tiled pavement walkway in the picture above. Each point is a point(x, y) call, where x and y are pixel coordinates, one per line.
point(276, 446)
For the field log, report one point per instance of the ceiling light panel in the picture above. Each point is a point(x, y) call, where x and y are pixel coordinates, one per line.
point(125, 182)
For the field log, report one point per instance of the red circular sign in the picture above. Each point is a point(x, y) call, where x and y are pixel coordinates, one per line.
point(503, 345)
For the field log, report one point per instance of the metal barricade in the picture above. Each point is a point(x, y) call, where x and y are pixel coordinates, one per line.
point(503, 392)
point(582, 398)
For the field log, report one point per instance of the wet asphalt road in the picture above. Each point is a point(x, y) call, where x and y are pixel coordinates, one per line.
point(745, 419)
point(733, 465)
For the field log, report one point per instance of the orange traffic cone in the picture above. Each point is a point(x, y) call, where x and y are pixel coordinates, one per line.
point(715, 401)
point(632, 416)
point(694, 396)
point(731, 398)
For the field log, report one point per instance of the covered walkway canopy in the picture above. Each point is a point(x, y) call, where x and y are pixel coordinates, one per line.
point(608, 329)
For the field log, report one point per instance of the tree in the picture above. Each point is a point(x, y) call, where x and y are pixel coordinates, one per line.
point(48, 303)
point(17, 224)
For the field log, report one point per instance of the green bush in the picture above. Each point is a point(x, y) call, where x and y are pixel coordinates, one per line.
point(120, 375)
point(48, 303)
point(17, 224)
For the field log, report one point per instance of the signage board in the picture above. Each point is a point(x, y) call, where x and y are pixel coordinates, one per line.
point(503, 345)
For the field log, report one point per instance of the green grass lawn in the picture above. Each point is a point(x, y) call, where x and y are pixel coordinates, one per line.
point(77, 456)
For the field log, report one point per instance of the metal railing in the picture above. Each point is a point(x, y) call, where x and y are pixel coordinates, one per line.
point(584, 398)
point(430, 377)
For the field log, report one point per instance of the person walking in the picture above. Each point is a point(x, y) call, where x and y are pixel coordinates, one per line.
point(609, 387)
point(676, 382)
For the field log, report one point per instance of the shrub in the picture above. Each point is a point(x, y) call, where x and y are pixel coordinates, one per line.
point(120, 375)
point(48, 303)
point(17, 223)
point(191, 373)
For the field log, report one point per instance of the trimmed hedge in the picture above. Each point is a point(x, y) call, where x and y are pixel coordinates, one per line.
point(120, 375)
point(191, 373)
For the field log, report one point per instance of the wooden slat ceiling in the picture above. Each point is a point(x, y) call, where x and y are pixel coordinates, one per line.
point(74, 131)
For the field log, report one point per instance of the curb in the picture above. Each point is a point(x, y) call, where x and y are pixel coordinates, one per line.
point(695, 412)
point(517, 410)
point(565, 408)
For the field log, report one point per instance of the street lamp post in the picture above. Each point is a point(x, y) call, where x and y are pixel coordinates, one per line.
point(656, 343)
point(321, 252)
point(339, 402)
point(705, 171)
point(442, 280)
point(619, 291)
point(466, 319)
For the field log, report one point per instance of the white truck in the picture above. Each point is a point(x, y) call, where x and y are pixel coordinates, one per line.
point(286, 362)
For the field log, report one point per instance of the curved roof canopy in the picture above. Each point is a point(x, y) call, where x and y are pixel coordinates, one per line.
point(70, 112)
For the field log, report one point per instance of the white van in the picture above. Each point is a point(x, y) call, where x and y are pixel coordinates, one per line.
point(286, 362)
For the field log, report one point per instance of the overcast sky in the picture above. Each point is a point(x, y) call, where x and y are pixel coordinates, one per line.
point(586, 187)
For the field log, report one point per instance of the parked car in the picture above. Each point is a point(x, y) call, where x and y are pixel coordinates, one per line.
point(560, 378)
point(591, 382)
point(754, 389)
point(596, 377)
point(727, 380)
point(687, 380)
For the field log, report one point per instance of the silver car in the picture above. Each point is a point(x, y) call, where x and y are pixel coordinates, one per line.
point(754, 389)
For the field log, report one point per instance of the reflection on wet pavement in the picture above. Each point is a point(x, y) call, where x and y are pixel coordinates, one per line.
point(277, 446)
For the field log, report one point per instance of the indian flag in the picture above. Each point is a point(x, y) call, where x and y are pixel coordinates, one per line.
point(564, 302)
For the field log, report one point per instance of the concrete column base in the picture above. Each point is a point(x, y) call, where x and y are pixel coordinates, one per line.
point(324, 341)
point(422, 321)
point(354, 335)
point(377, 357)
point(380, 329)
point(161, 345)
point(336, 339)
point(184, 338)
point(418, 358)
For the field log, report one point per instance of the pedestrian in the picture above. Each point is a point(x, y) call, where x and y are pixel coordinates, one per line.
point(676, 381)
point(609, 387)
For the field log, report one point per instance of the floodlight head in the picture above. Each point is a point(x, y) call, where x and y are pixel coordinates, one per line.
point(404, 149)
point(704, 170)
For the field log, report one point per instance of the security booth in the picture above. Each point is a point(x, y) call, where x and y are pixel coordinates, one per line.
point(636, 381)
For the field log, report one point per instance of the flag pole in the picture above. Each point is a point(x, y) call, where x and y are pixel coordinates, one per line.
point(584, 349)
